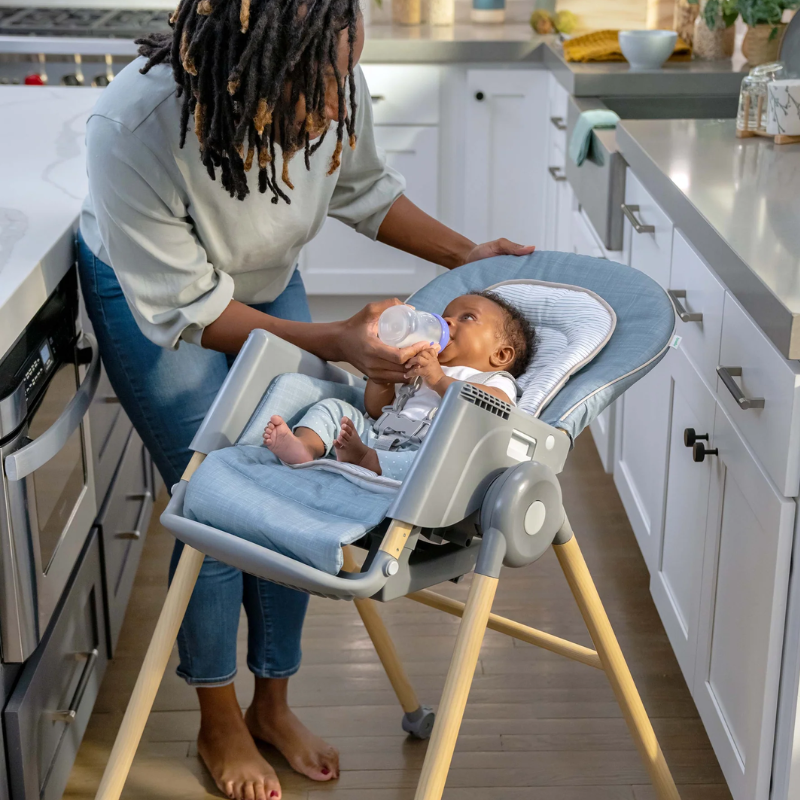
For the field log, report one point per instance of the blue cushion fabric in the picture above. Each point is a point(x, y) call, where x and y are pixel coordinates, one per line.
point(645, 323)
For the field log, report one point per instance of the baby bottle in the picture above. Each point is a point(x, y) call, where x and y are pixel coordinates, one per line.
point(402, 326)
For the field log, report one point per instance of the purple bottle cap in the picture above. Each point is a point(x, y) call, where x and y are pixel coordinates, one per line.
point(445, 338)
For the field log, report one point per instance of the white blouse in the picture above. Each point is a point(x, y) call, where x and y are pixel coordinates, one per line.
point(180, 246)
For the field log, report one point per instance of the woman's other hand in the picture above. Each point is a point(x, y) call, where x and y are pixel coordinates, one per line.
point(499, 247)
point(361, 347)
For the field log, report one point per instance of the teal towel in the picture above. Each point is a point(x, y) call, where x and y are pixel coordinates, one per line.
point(582, 133)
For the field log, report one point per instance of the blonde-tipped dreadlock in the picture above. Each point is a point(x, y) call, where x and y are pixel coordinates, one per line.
point(242, 66)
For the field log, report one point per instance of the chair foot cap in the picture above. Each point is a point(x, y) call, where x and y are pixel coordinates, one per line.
point(419, 723)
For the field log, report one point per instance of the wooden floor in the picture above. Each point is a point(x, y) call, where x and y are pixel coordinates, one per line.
point(537, 727)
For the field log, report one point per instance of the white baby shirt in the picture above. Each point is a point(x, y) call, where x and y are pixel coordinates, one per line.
point(424, 399)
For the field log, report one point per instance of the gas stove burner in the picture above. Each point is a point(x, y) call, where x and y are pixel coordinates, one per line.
point(103, 23)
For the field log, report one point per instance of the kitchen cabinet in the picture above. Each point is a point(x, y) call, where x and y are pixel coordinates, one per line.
point(584, 242)
point(505, 155)
point(677, 577)
point(742, 611)
point(340, 261)
point(642, 423)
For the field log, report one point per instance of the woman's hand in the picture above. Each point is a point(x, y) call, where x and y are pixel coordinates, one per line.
point(360, 346)
point(499, 247)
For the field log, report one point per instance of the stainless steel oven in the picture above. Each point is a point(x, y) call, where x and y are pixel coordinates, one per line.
point(47, 498)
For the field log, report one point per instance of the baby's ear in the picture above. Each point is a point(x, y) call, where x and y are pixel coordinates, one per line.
point(503, 357)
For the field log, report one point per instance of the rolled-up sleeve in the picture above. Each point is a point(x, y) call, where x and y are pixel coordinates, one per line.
point(367, 186)
point(172, 289)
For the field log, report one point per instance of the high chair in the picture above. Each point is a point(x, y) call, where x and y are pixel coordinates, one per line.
point(481, 494)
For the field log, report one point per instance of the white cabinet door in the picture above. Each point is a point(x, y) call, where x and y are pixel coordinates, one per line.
point(743, 607)
point(584, 244)
point(566, 206)
point(340, 261)
point(676, 580)
point(505, 155)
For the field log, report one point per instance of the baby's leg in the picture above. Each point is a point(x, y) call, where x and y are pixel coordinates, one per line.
point(351, 450)
point(292, 448)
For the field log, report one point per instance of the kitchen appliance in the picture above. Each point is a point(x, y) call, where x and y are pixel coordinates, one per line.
point(102, 23)
point(47, 495)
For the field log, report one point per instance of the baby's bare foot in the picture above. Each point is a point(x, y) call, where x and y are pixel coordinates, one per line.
point(351, 450)
point(289, 448)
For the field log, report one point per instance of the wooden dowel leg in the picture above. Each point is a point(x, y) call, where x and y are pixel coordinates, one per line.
point(456, 688)
point(150, 675)
point(384, 646)
point(583, 588)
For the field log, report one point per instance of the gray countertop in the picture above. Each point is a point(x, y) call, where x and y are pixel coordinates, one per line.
point(736, 200)
point(515, 43)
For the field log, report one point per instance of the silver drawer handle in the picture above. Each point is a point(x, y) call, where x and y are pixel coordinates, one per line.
point(558, 123)
point(637, 226)
point(555, 173)
point(377, 98)
point(728, 374)
point(136, 533)
point(69, 715)
point(686, 316)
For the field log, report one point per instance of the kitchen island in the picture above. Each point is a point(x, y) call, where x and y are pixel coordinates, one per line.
point(705, 450)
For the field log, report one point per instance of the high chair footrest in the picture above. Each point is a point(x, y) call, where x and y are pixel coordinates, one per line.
point(263, 563)
point(419, 723)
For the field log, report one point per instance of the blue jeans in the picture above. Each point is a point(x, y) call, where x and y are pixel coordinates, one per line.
point(166, 394)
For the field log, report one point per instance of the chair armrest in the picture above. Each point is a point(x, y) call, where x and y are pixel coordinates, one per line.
point(474, 437)
point(263, 357)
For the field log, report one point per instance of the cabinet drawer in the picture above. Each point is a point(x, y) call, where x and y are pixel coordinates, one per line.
point(109, 426)
point(697, 291)
point(403, 95)
point(651, 237)
point(773, 432)
point(48, 712)
point(123, 525)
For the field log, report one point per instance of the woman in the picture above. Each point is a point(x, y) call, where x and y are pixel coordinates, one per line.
point(177, 270)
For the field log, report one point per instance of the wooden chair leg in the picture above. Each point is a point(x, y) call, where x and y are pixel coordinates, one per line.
point(583, 588)
point(384, 646)
point(150, 675)
point(456, 688)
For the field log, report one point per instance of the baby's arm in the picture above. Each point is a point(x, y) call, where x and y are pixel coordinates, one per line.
point(376, 396)
point(426, 364)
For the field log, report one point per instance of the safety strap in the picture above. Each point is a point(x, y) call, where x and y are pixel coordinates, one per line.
point(394, 430)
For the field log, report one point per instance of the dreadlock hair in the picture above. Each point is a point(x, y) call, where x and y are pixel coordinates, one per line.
point(232, 60)
point(517, 332)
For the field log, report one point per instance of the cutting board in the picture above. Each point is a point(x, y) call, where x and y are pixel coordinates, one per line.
point(595, 15)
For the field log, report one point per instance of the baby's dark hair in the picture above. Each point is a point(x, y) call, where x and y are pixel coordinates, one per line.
point(517, 332)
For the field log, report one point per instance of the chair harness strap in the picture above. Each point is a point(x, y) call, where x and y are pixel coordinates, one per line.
point(393, 429)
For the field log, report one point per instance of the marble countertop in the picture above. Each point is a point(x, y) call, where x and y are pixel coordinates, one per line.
point(737, 202)
point(42, 187)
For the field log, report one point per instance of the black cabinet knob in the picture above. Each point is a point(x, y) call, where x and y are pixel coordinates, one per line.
point(479, 95)
point(690, 436)
point(699, 452)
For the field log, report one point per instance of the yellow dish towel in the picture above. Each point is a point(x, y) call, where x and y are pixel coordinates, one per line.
point(604, 46)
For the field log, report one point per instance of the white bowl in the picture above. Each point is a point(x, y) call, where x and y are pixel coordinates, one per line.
point(647, 49)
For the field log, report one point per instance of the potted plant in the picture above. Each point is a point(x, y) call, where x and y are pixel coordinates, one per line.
point(714, 32)
point(764, 28)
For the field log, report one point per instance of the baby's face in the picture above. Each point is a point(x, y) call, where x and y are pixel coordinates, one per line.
point(476, 325)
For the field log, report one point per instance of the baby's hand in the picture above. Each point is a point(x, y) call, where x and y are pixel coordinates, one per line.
point(426, 366)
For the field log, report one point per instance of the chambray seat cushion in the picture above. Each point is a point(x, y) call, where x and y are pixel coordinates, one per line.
point(601, 325)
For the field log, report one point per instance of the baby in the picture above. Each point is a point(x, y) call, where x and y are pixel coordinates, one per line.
point(487, 335)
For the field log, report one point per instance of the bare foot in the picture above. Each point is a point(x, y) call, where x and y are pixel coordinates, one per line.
point(289, 448)
point(351, 450)
point(231, 756)
point(306, 753)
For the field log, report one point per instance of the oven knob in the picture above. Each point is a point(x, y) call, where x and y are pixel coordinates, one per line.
point(34, 79)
